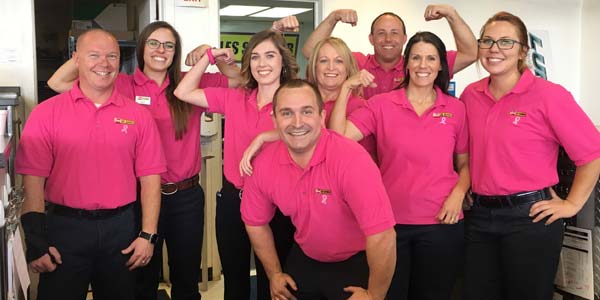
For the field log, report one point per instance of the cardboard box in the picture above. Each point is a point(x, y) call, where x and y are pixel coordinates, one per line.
point(113, 17)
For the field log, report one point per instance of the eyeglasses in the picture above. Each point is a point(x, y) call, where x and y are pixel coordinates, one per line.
point(504, 44)
point(154, 44)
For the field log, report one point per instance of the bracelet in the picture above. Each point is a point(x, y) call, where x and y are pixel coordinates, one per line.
point(211, 57)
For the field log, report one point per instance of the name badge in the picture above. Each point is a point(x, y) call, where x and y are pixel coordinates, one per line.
point(144, 100)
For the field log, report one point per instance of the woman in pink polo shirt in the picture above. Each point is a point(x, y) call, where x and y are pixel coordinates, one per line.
point(517, 123)
point(422, 142)
point(266, 63)
point(181, 222)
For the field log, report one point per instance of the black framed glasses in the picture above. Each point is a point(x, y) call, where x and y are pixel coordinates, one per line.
point(154, 44)
point(504, 44)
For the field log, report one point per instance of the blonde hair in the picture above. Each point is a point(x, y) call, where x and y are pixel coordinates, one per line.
point(342, 49)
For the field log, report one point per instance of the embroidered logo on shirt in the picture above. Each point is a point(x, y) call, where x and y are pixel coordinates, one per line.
point(124, 129)
point(124, 121)
point(145, 100)
point(323, 193)
point(444, 117)
point(518, 115)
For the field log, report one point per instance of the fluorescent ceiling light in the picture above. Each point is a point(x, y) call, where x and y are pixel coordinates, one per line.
point(280, 12)
point(240, 10)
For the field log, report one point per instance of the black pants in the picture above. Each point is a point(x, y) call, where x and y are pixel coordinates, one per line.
point(234, 246)
point(181, 225)
point(429, 259)
point(90, 249)
point(508, 256)
point(326, 281)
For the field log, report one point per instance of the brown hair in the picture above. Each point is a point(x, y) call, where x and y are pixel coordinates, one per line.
point(521, 32)
point(180, 111)
point(289, 68)
point(388, 14)
point(342, 49)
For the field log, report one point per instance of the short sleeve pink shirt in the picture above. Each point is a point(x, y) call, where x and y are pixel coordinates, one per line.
point(515, 140)
point(416, 153)
point(334, 203)
point(183, 155)
point(243, 122)
point(388, 80)
point(90, 156)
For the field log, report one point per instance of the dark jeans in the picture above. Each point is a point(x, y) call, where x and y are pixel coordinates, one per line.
point(428, 261)
point(326, 281)
point(508, 256)
point(90, 250)
point(181, 225)
point(234, 246)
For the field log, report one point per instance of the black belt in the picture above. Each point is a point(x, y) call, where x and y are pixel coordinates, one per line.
point(171, 188)
point(511, 200)
point(66, 211)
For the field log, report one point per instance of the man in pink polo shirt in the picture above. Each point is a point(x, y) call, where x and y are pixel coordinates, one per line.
point(332, 190)
point(388, 36)
point(82, 152)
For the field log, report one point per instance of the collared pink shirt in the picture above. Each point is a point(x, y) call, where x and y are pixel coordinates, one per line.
point(90, 156)
point(243, 122)
point(183, 155)
point(515, 141)
point(334, 203)
point(416, 154)
point(388, 80)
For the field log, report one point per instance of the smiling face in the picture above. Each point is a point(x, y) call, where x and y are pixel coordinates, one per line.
point(330, 69)
point(266, 63)
point(423, 64)
point(387, 39)
point(501, 61)
point(97, 60)
point(159, 59)
point(299, 121)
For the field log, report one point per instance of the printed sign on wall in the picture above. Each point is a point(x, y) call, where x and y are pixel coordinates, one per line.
point(238, 42)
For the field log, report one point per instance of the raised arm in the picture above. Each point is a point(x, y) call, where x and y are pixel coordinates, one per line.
point(227, 68)
point(261, 238)
point(338, 121)
point(381, 257)
point(62, 80)
point(187, 90)
point(326, 27)
point(466, 45)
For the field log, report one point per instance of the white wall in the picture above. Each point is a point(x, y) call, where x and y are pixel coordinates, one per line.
point(559, 18)
point(590, 61)
point(17, 33)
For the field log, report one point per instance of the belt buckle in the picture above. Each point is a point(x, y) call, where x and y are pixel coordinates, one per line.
point(168, 184)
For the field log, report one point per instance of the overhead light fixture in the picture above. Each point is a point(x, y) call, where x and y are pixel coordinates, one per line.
point(240, 10)
point(280, 12)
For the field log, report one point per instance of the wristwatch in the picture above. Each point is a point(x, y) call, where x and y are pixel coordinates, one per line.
point(151, 237)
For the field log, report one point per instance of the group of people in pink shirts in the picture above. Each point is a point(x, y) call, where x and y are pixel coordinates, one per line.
point(366, 180)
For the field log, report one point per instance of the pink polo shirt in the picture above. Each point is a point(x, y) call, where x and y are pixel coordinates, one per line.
point(515, 141)
point(243, 122)
point(354, 102)
point(334, 203)
point(388, 80)
point(415, 153)
point(183, 156)
point(90, 156)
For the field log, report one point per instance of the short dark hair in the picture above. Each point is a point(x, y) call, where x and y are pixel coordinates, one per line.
point(388, 13)
point(294, 84)
point(443, 78)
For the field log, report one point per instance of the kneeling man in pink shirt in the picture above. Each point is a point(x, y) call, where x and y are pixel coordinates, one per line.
point(333, 192)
